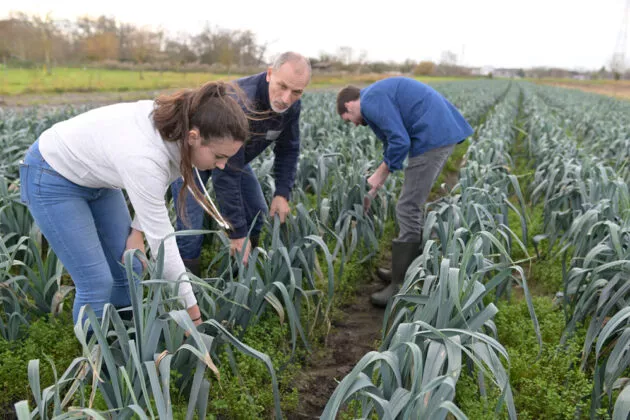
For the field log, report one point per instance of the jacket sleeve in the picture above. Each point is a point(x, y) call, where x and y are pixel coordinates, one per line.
point(146, 185)
point(287, 153)
point(227, 187)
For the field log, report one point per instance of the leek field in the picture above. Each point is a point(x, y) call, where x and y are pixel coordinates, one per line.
point(519, 306)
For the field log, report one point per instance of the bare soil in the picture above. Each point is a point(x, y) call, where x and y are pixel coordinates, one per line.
point(619, 90)
point(356, 333)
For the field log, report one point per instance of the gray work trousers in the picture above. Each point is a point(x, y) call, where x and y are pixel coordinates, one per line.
point(420, 175)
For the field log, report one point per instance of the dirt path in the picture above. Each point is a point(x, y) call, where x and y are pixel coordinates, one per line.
point(355, 334)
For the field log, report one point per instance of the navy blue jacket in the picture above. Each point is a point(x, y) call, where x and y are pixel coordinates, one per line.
point(410, 118)
point(281, 130)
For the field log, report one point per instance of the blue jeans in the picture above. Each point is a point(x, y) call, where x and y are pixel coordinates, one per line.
point(86, 227)
point(254, 204)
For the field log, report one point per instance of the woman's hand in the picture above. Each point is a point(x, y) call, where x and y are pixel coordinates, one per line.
point(135, 240)
point(195, 314)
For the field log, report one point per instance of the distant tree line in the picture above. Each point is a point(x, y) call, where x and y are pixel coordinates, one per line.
point(36, 41)
point(31, 40)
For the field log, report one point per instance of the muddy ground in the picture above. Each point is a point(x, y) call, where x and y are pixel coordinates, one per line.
point(619, 90)
point(356, 333)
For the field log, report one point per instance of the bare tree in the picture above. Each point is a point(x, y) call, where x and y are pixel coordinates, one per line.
point(46, 27)
point(145, 45)
point(424, 68)
point(125, 33)
point(449, 58)
point(408, 66)
point(103, 46)
point(178, 49)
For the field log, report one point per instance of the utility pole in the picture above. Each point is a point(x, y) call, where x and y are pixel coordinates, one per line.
point(618, 63)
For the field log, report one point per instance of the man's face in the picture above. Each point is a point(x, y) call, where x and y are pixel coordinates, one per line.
point(353, 113)
point(286, 85)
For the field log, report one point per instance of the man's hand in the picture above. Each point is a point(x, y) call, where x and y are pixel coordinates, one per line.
point(279, 206)
point(378, 178)
point(236, 245)
point(135, 241)
point(367, 200)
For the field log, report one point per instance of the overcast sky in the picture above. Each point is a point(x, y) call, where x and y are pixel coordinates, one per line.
point(576, 34)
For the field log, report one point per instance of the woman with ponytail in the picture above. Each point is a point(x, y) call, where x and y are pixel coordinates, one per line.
point(72, 176)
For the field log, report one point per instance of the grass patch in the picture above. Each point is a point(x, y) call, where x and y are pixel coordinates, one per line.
point(248, 395)
point(52, 337)
point(16, 81)
point(64, 79)
point(547, 387)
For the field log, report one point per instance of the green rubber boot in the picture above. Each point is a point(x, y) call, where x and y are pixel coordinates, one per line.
point(403, 253)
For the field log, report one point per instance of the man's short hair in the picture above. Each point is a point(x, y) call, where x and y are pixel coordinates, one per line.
point(293, 57)
point(347, 94)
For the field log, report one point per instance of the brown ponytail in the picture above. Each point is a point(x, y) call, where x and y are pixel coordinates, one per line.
point(214, 110)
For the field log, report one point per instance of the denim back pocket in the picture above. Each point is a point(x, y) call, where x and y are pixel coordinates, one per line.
point(24, 183)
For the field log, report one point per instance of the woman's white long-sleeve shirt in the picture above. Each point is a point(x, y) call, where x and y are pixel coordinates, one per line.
point(117, 146)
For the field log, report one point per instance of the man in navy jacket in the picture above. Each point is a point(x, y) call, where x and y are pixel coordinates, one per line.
point(417, 123)
point(274, 98)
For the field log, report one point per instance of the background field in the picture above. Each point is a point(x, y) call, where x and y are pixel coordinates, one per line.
point(61, 80)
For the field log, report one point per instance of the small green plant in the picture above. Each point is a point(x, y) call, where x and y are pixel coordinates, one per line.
point(549, 385)
point(52, 337)
point(248, 393)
